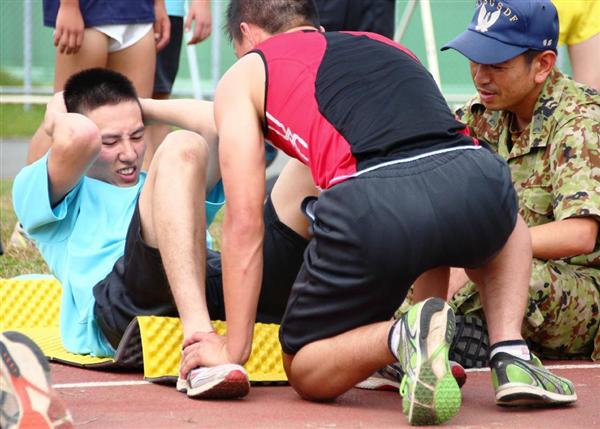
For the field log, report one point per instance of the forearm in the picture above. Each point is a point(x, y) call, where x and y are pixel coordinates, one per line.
point(189, 114)
point(242, 259)
point(564, 238)
point(76, 143)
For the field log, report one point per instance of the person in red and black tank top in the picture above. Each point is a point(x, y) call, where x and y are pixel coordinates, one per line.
point(372, 99)
point(405, 191)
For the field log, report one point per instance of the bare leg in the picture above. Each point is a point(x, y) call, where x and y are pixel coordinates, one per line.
point(585, 60)
point(503, 285)
point(156, 133)
point(137, 62)
point(363, 349)
point(93, 53)
point(292, 186)
point(175, 184)
point(432, 283)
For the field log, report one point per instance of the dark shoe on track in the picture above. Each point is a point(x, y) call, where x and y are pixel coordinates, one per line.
point(471, 344)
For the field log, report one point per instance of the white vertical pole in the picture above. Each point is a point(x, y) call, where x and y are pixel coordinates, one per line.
point(216, 43)
point(428, 33)
point(194, 72)
point(27, 49)
point(405, 20)
point(193, 64)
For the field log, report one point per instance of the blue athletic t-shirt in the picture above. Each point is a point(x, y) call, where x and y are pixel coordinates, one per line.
point(105, 12)
point(81, 238)
point(175, 7)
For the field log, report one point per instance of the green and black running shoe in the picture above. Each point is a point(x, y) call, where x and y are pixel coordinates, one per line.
point(430, 394)
point(526, 382)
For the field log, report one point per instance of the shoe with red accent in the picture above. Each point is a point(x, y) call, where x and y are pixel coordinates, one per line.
point(27, 399)
point(389, 377)
point(216, 382)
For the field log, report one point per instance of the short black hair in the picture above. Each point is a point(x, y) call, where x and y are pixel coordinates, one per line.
point(92, 88)
point(531, 55)
point(274, 16)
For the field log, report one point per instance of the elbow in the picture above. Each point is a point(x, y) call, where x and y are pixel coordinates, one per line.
point(84, 141)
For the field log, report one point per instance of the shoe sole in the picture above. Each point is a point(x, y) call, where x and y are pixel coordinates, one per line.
point(231, 383)
point(435, 396)
point(471, 343)
point(519, 394)
point(57, 416)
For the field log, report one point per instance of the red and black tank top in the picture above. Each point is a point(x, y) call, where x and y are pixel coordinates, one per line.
point(345, 102)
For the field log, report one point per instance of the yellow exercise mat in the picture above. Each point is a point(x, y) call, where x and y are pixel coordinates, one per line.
point(160, 334)
point(154, 343)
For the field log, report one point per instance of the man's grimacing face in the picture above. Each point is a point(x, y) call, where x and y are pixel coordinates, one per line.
point(123, 147)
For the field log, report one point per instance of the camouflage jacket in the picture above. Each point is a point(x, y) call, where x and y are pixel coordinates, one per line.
point(555, 161)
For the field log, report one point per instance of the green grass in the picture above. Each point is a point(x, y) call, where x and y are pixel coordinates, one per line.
point(16, 260)
point(15, 121)
point(18, 123)
point(7, 79)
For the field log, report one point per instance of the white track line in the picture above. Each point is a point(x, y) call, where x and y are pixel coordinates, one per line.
point(568, 366)
point(101, 384)
point(143, 383)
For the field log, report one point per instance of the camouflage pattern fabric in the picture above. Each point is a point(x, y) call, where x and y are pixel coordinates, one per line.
point(563, 312)
point(555, 166)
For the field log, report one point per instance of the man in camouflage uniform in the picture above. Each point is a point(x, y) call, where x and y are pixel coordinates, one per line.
point(547, 128)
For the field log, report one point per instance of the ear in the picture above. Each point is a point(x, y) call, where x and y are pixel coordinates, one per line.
point(544, 63)
point(246, 32)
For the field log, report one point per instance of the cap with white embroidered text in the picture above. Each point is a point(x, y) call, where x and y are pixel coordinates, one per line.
point(501, 30)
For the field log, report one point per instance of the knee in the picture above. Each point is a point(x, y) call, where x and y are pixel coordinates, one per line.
point(299, 379)
point(182, 149)
point(311, 392)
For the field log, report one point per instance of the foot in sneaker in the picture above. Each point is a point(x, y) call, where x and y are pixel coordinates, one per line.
point(429, 391)
point(471, 344)
point(389, 377)
point(27, 398)
point(216, 382)
point(526, 382)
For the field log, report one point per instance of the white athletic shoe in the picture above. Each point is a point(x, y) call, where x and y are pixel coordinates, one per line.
point(216, 382)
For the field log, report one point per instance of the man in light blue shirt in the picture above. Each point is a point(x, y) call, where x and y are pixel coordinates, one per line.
point(122, 242)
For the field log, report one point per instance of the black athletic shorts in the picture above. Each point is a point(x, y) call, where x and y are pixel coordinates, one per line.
point(167, 59)
point(374, 234)
point(138, 285)
point(376, 16)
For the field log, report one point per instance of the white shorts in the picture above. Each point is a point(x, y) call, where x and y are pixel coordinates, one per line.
point(122, 36)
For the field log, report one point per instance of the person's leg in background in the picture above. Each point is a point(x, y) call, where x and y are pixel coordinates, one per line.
point(136, 62)
point(93, 53)
point(167, 65)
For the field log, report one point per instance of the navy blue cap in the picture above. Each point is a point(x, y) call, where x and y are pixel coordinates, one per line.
point(501, 30)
